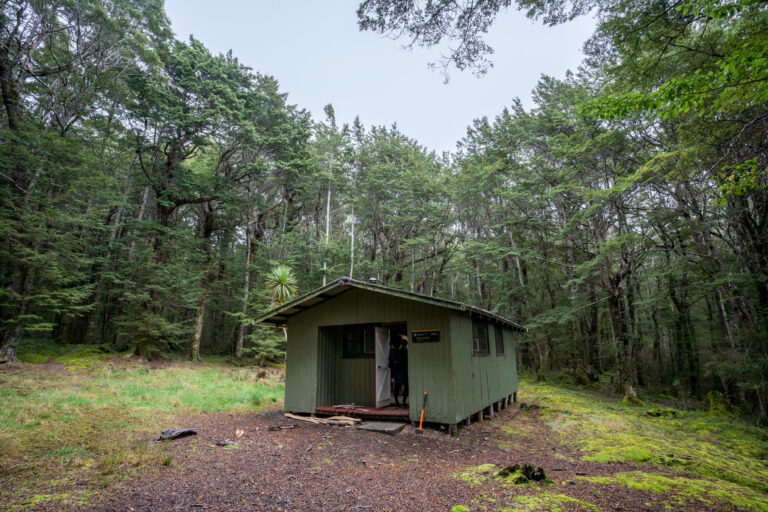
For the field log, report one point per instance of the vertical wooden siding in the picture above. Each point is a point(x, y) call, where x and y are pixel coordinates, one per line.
point(329, 341)
point(355, 381)
point(429, 364)
point(301, 367)
point(339, 380)
point(480, 380)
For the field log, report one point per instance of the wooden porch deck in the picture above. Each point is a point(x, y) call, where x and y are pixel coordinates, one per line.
point(364, 411)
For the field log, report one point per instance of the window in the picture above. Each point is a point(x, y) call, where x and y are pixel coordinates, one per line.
point(358, 341)
point(480, 345)
point(498, 333)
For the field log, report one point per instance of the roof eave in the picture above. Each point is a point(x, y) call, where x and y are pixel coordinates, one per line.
point(348, 283)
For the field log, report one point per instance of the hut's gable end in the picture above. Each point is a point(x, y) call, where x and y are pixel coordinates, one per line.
point(322, 375)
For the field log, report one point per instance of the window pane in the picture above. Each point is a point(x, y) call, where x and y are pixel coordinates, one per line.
point(369, 345)
point(499, 335)
point(358, 341)
point(480, 338)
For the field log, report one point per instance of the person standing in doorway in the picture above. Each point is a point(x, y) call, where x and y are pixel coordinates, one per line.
point(398, 364)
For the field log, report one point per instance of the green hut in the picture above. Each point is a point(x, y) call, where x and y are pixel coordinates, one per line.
point(338, 347)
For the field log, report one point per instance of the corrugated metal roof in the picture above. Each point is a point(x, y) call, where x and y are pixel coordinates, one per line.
point(280, 315)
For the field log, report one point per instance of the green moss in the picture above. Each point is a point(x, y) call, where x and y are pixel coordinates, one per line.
point(550, 502)
point(65, 500)
point(661, 413)
point(514, 478)
point(501, 476)
point(38, 351)
point(717, 406)
point(477, 474)
point(460, 508)
point(522, 474)
point(81, 356)
point(718, 447)
point(518, 429)
point(687, 489)
point(34, 358)
point(482, 500)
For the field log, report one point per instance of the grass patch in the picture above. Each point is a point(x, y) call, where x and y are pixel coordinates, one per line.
point(721, 448)
point(686, 489)
point(99, 420)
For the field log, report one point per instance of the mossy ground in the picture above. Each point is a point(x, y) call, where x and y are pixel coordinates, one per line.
point(477, 474)
point(539, 501)
point(700, 456)
point(549, 501)
point(65, 433)
point(684, 490)
point(692, 441)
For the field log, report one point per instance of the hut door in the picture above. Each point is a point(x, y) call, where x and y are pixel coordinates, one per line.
point(382, 367)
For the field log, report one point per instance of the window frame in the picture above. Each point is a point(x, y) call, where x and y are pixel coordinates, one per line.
point(498, 335)
point(368, 331)
point(477, 350)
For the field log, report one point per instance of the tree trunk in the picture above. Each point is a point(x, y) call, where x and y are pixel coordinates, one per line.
point(352, 246)
point(327, 233)
point(249, 233)
point(11, 342)
point(194, 347)
point(9, 92)
point(688, 359)
point(206, 222)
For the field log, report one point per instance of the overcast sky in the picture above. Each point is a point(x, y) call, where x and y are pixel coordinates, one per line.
point(315, 51)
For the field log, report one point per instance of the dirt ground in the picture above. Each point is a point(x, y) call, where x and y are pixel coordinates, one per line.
point(319, 467)
point(332, 468)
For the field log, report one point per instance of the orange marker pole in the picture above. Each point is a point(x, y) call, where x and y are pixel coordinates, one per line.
point(421, 420)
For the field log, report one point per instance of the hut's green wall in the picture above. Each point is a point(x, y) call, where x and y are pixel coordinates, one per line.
point(312, 352)
point(327, 352)
point(342, 380)
point(480, 380)
point(459, 384)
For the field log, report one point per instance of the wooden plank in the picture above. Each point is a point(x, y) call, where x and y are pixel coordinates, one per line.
point(345, 418)
point(308, 419)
